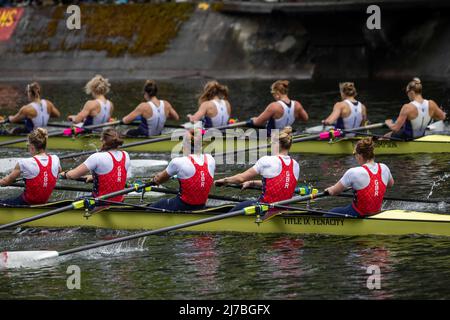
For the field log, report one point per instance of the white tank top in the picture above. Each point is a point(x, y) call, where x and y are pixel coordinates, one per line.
point(288, 116)
point(42, 117)
point(221, 119)
point(155, 124)
point(355, 117)
point(104, 114)
point(423, 119)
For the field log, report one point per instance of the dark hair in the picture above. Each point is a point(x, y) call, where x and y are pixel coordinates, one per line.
point(213, 89)
point(38, 138)
point(280, 86)
point(34, 89)
point(151, 88)
point(365, 148)
point(348, 89)
point(415, 86)
point(111, 139)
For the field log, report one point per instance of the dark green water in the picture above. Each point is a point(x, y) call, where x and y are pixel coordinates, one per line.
point(248, 266)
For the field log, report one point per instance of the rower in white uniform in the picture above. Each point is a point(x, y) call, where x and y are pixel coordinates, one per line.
point(98, 110)
point(195, 173)
point(281, 113)
point(40, 172)
point(35, 114)
point(153, 113)
point(279, 173)
point(109, 167)
point(416, 115)
point(369, 182)
point(215, 109)
point(348, 113)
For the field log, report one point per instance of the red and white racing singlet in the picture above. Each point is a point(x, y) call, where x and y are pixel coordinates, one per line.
point(39, 188)
point(195, 190)
point(368, 201)
point(281, 187)
point(112, 181)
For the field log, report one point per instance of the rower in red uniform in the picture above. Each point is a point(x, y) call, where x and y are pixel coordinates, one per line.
point(195, 173)
point(369, 182)
point(109, 167)
point(280, 173)
point(40, 172)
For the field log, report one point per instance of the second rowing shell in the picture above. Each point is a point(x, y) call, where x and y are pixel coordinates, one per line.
point(427, 144)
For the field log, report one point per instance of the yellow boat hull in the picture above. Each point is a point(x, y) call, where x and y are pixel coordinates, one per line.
point(392, 222)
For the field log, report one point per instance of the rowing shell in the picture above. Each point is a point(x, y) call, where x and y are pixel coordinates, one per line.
point(427, 144)
point(391, 222)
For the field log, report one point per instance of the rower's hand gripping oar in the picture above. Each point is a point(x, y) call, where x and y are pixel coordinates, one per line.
point(16, 259)
point(74, 130)
point(79, 204)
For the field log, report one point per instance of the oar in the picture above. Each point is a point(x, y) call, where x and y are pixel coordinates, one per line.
point(61, 188)
point(14, 259)
point(346, 195)
point(68, 131)
point(79, 204)
point(146, 141)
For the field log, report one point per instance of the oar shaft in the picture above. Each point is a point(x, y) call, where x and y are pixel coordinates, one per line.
point(183, 225)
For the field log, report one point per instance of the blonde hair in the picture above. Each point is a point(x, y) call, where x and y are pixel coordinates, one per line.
point(38, 138)
point(97, 85)
point(280, 86)
point(34, 89)
point(348, 89)
point(213, 89)
point(111, 139)
point(415, 85)
point(365, 147)
point(284, 138)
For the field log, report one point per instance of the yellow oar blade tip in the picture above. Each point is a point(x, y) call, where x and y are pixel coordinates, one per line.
point(24, 259)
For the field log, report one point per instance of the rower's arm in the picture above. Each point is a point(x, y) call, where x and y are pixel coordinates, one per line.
point(76, 173)
point(402, 117)
point(172, 112)
point(84, 113)
point(161, 177)
point(338, 188)
point(9, 179)
point(201, 112)
point(364, 115)
point(133, 115)
point(265, 116)
point(391, 182)
point(111, 111)
point(301, 112)
point(238, 178)
point(19, 116)
point(54, 112)
point(335, 114)
point(438, 113)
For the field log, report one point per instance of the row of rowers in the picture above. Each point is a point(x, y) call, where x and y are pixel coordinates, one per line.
point(215, 110)
point(195, 172)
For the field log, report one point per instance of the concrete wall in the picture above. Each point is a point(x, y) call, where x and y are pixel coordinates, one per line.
point(234, 43)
